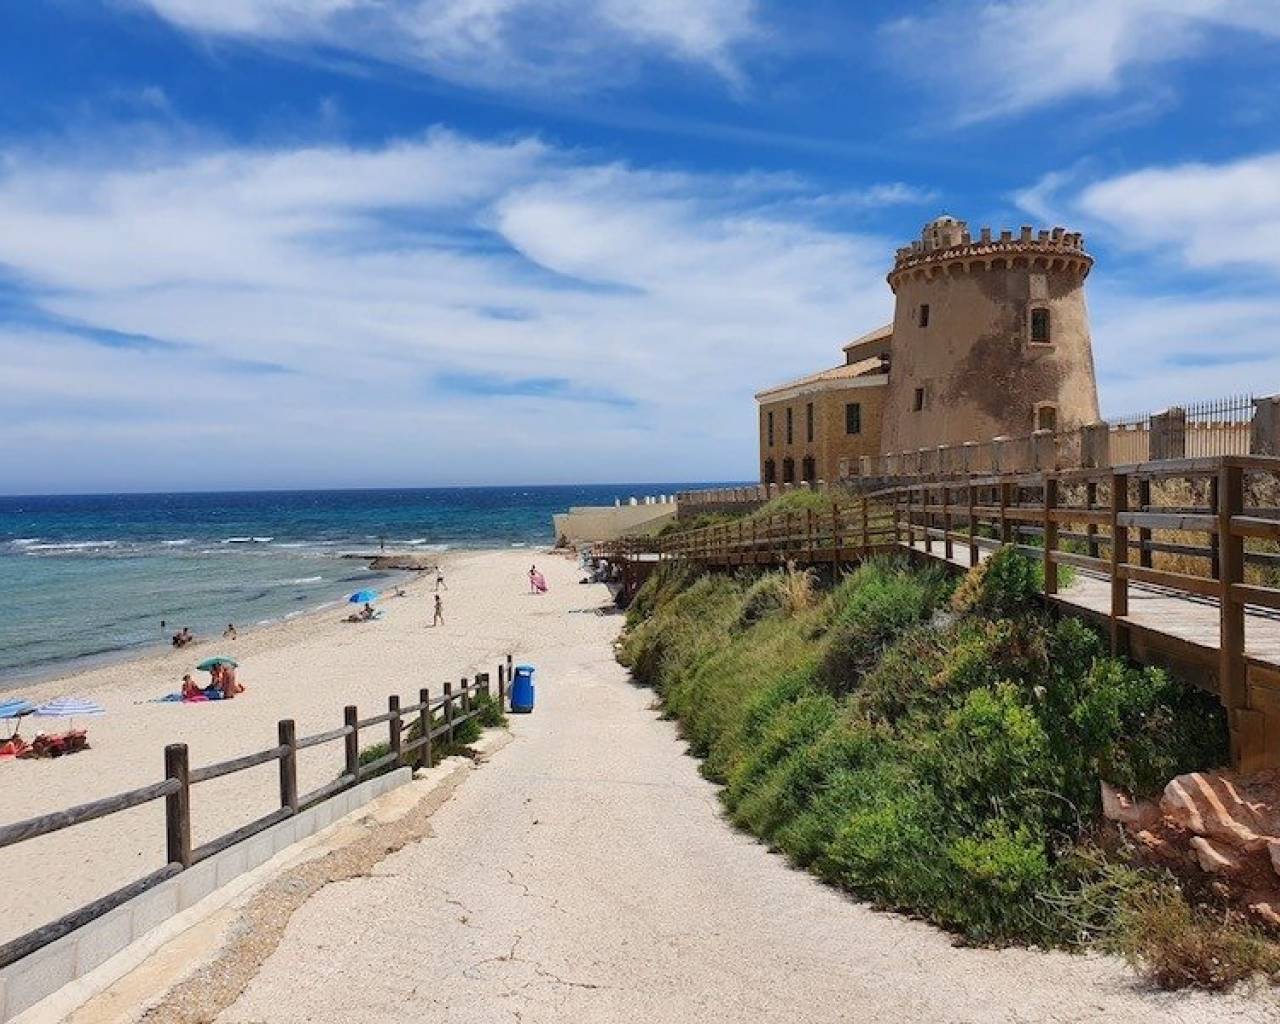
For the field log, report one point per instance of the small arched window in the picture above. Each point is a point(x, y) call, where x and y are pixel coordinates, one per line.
point(807, 471)
point(1040, 334)
point(770, 471)
point(788, 470)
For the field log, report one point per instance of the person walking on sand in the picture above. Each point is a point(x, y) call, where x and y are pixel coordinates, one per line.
point(440, 583)
point(439, 617)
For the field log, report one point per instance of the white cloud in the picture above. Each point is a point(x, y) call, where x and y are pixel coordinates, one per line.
point(999, 58)
point(1184, 296)
point(335, 298)
point(499, 44)
point(1206, 215)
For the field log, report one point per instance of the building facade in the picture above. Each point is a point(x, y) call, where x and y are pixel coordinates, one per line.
point(990, 338)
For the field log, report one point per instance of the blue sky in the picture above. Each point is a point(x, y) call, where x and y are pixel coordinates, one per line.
point(278, 243)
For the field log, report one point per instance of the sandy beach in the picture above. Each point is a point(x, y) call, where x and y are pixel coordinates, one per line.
point(308, 669)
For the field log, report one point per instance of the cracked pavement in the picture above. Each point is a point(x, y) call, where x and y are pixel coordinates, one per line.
point(585, 874)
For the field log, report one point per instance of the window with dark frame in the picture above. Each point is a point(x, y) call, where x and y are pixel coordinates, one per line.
point(1040, 326)
point(1046, 417)
point(924, 315)
point(853, 418)
point(790, 432)
point(808, 472)
point(788, 470)
point(770, 471)
point(769, 427)
point(808, 422)
point(919, 400)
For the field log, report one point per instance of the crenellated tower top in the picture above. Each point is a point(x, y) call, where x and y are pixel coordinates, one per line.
point(946, 245)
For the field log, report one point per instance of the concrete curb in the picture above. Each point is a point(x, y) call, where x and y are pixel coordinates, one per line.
point(53, 982)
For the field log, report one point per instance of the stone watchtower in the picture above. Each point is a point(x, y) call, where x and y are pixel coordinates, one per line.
point(990, 337)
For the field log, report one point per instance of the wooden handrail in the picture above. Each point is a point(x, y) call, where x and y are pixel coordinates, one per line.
point(175, 790)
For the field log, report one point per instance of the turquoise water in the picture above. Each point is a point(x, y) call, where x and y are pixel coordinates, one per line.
point(89, 578)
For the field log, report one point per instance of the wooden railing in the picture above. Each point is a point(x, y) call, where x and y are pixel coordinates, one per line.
point(436, 718)
point(1126, 524)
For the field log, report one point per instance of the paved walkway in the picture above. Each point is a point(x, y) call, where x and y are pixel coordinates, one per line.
point(586, 874)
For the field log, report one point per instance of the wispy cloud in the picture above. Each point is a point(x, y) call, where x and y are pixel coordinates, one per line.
point(494, 44)
point(335, 297)
point(994, 59)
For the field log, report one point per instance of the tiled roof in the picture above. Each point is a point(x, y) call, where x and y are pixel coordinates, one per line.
point(862, 368)
point(879, 334)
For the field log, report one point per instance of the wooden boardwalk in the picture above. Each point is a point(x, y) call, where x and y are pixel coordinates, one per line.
point(1186, 617)
point(1169, 557)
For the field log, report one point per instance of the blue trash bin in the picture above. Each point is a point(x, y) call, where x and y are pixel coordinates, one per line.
point(522, 690)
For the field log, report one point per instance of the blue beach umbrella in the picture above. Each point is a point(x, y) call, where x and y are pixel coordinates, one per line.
point(363, 597)
point(15, 708)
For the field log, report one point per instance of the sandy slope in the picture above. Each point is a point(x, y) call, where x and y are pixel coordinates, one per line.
point(307, 669)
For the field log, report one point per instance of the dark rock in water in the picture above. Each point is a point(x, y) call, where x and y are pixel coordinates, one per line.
point(419, 562)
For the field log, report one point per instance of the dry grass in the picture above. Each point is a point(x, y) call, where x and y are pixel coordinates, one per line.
point(1175, 945)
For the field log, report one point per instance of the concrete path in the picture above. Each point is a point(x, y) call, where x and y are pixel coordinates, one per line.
point(586, 874)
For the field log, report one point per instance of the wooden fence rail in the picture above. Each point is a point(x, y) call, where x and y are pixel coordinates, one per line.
point(435, 718)
point(1210, 572)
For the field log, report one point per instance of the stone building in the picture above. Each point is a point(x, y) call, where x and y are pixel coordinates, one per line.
point(990, 337)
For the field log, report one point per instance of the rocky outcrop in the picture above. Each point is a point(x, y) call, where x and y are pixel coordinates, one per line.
point(1220, 823)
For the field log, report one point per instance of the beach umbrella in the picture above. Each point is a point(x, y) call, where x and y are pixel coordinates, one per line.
point(209, 664)
point(363, 597)
point(69, 707)
point(15, 708)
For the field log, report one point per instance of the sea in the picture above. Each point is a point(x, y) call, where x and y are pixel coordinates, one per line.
point(91, 578)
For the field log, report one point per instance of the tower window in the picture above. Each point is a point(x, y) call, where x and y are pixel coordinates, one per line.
point(788, 470)
point(808, 422)
point(769, 427)
point(919, 400)
point(790, 432)
point(1040, 326)
point(853, 418)
point(770, 471)
point(1046, 417)
point(924, 315)
point(807, 471)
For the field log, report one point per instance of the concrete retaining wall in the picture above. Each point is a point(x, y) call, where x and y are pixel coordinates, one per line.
point(34, 977)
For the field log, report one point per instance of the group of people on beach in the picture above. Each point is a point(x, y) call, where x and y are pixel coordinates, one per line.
point(222, 685)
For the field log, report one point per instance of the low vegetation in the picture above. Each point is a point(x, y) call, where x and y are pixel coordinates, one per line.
point(466, 733)
point(938, 750)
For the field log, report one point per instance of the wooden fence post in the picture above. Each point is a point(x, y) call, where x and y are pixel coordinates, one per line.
point(1119, 557)
point(508, 670)
point(448, 711)
point(1006, 534)
point(1215, 546)
point(424, 725)
point(351, 742)
point(808, 531)
point(1144, 534)
point(177, 805)
point(973, 525)
point(1232, 679)
point(464, 695)
point(926, 517)
point(864, 516)
point(1091, 502)
point(393, 729)
point(502, 687)
point(948, 549)
point(288, 737)
point(1050, 534)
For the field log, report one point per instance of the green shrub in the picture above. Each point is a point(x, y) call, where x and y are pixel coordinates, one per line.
point(871, 608)
point(943, 765)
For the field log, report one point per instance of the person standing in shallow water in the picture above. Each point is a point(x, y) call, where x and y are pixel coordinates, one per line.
point(439, 616)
